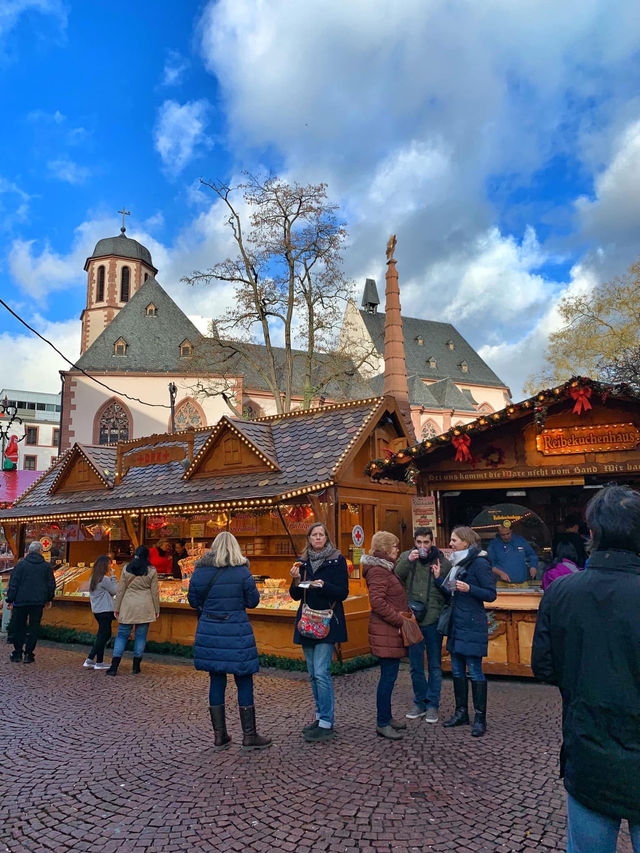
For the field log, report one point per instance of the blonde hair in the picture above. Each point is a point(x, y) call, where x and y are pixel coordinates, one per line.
point(383, 541)
point(226, 550)
point(468, 535)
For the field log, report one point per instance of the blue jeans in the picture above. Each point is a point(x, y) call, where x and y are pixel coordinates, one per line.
point(218, 686)
point(459, 664)
point(427, 695)
point(592, 832)
point(388, 674)
point(318, 657)
point(139, 642)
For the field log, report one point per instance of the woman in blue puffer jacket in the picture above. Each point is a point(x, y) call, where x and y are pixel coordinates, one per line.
point(468, 585)
point(221, 589)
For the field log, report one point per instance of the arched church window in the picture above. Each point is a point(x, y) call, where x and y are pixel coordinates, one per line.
point(429, 430)
point(114, 424)
point(187, 415)
point(125, 278)
point(100, 287)
point(485, 409)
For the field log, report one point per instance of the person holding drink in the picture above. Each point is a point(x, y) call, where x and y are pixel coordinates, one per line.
point(467, 586)
point(320, 582)
point(426, 601)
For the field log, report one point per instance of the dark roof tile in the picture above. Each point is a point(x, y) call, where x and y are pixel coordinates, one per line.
point(325, 434)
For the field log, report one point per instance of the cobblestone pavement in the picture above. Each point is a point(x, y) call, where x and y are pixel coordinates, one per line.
point(91, 763)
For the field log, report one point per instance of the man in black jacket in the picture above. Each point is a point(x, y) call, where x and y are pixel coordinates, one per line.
point(587, 642)
point(31, 586)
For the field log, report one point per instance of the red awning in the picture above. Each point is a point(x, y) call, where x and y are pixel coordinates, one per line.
point(14, 483)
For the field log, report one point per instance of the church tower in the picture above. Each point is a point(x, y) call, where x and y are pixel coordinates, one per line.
point(116, 270)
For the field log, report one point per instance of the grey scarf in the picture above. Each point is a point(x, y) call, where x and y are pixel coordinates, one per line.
point(317, 558)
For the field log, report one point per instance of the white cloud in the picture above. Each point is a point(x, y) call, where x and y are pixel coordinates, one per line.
point(174, 68)
point(517, 359)
point(613, 215)
point(492, 277)
point(34, 365)
point(43, 116)
point(14, 204)
point(12, 10)
point(66, 170)
point(41, 271)
point(410, 111)
point(179, 134)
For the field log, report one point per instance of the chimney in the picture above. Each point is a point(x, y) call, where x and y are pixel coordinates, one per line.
point(395, 365)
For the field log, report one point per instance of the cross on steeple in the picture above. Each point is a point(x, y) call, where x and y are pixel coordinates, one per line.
point(124, 213)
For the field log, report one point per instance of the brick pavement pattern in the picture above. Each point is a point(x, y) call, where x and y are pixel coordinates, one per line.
point(91, 763)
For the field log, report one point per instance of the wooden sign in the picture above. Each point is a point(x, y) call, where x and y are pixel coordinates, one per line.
point(154, 456)
point(423, 511)
point(601, 438)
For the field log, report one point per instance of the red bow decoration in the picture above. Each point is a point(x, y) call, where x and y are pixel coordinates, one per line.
point(581, 396)
point(461, 443)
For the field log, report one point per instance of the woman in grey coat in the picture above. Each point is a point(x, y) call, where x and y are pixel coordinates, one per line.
point(102, 588)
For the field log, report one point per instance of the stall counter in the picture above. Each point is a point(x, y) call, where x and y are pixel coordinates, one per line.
point(273, 628)
point(512, 621)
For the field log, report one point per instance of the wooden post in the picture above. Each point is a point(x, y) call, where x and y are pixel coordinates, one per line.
point(133, 535)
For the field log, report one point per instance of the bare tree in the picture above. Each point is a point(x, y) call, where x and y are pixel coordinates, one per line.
point(288, 283)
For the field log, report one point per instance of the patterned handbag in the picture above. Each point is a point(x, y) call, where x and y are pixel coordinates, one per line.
point(314, 624)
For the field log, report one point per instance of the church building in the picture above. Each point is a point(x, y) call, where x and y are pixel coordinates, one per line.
point(136, 341)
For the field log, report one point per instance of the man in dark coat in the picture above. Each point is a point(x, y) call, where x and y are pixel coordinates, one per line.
point(571, 534)
point(31, 586)
point(587, 642)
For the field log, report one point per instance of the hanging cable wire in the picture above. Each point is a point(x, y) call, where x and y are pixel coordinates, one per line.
point(75, 366)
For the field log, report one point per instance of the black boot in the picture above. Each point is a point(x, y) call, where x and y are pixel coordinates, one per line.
point(218, 720)
point(136, 666)
point(461, 714)
point(115, 663)
point(250, 737)
point(479, 693)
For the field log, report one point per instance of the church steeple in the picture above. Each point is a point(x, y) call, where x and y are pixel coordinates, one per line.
point(115, 271)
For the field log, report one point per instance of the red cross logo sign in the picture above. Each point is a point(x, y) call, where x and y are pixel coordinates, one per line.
point(357, 534)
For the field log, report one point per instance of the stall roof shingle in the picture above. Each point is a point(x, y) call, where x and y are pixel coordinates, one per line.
point(309, 448)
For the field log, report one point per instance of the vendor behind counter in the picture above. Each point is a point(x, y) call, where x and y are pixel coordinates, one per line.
point(161, 558)
point(512, 558)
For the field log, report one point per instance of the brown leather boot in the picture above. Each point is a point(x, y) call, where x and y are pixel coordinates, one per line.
point(218, 720)
point(250, 737)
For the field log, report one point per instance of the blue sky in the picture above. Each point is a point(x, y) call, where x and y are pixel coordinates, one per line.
point(500, 142)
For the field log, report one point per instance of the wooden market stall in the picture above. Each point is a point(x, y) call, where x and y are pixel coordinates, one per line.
point(532, 463)
point(264, 480)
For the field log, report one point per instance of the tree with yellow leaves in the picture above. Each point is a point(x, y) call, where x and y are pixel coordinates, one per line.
point(600, 336)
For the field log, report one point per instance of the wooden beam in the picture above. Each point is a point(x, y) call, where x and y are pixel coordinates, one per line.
point(10, 540)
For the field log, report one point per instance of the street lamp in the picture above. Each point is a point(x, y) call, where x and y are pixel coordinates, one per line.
point(11, 412)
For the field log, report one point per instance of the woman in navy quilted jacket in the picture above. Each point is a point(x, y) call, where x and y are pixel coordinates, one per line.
point(468, 585)
point(221, 589)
